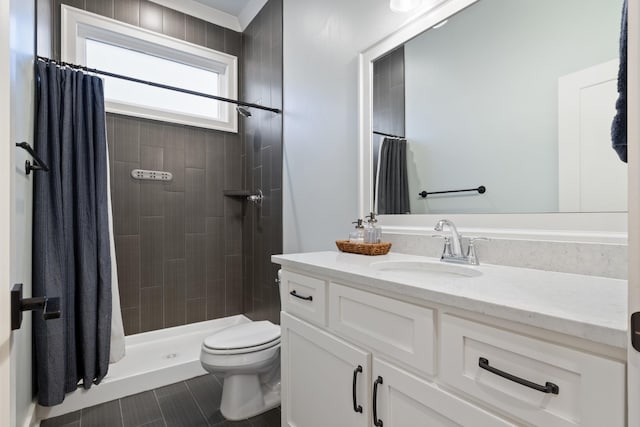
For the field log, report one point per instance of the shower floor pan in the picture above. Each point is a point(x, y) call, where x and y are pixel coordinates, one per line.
point(153, 359)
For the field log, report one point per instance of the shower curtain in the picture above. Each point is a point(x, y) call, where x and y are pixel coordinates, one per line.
point(72, 245)
point(392, 182)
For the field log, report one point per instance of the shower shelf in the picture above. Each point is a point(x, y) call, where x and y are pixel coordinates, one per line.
point(237, 193)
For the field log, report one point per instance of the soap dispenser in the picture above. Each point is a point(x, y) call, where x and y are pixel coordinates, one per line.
point(372, 233)
point(357, 235)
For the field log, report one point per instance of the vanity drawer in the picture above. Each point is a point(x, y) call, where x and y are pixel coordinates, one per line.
point(304, 296)
point(590, 389)
point(404, 400)
point(401, 331)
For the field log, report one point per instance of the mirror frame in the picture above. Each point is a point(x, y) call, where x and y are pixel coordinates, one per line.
point(600, 227)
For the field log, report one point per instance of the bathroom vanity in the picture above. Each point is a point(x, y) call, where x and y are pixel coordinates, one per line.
point(402, 340)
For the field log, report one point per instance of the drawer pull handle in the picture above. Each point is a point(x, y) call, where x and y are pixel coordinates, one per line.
point(356, 407)
point(295, 294)
point(376, 422)
point(547, 388)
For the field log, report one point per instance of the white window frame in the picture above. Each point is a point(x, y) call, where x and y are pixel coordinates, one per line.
point(78, 25)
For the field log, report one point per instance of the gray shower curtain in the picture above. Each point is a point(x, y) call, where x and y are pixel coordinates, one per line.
point(393, 183)
point(71, 253)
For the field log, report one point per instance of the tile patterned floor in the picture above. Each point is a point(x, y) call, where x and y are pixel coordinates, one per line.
point(192, 403)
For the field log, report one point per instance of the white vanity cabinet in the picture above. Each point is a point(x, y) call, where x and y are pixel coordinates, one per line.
point(352, 357)
point(324, 379)
point(328, 382)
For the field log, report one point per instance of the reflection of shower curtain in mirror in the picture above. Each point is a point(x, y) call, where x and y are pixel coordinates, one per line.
point(392, 184)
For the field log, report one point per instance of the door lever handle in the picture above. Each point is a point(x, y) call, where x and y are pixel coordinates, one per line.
point(50, 307)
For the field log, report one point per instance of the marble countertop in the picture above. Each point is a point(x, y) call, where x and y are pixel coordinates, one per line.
point(588, 307)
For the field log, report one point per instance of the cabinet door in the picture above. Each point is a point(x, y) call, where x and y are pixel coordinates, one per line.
point(318, 372)
point(404, 400)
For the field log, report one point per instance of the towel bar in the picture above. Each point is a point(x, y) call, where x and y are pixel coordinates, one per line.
point(482, 189)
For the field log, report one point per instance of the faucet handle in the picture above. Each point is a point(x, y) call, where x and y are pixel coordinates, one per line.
point(446, 252)
point(471, 250)
point(475, 239)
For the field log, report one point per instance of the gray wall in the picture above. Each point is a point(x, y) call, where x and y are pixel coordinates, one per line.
point(262, 157)
point(322, 40)
point(482, 100)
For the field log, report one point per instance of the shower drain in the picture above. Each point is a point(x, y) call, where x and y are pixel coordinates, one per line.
point(170, 356)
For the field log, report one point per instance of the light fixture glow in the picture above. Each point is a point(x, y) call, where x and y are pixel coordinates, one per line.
point(403, 5)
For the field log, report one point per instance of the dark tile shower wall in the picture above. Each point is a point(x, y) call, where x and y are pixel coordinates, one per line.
point(388, 93)
point(262, 157)
point(388, 98)
point(178, 244)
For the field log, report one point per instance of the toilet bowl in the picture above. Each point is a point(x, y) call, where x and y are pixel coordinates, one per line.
point(248, 356)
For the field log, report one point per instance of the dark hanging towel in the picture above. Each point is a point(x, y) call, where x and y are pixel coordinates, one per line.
point(393, 184)
point(619, 126)
point(71, 257)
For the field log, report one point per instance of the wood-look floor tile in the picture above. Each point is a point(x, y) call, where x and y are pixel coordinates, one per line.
point(179, 407)
point(106, 414)
point(207, 391)
point(140, 409)
point(66, 420)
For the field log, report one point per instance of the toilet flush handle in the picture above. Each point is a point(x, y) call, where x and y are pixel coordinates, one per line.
point(278, 279)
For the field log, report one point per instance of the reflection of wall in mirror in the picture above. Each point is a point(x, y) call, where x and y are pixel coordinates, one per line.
point(482, 100)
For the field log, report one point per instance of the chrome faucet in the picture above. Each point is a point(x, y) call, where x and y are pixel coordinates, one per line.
point(456, 244)
point(453, 245)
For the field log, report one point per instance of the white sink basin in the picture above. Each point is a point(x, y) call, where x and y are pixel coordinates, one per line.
point(426, 269)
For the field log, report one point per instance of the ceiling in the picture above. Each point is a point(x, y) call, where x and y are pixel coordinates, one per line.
point(233, 14)
point(232, 7)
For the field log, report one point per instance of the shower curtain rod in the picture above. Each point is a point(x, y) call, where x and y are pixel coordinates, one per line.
point(388, 135)
point(159, 85)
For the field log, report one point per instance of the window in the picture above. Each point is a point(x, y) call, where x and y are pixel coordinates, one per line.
point(120, 48)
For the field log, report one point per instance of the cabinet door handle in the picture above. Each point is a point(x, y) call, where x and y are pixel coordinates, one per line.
point(547, 388)
point(295, 294)
point(376, 422)
point(356, 407)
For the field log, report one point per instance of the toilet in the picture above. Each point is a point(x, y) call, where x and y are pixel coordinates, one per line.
point(248, 356)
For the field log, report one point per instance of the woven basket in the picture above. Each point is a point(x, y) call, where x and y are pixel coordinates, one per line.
point(363, 248)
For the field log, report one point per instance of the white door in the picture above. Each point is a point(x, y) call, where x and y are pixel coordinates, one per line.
point(318, 372)
point(5, 209)
point(17, 29)
point(404, 400)
point(633, 94)
point(591, 177)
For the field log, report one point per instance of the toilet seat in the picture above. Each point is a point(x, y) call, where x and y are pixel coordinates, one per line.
point(244, 338)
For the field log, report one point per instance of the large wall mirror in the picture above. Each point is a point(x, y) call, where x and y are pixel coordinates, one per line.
point(516, 97)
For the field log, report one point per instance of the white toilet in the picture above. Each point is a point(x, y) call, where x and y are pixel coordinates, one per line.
point(248, 355)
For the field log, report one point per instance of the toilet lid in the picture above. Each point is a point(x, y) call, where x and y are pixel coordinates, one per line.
point(245, 335)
